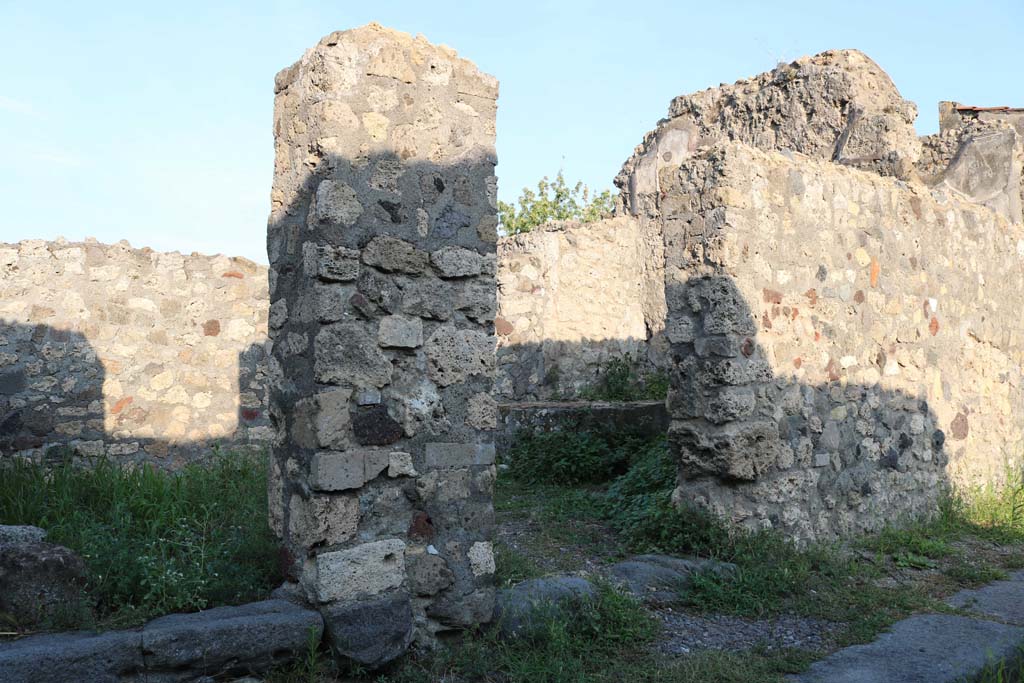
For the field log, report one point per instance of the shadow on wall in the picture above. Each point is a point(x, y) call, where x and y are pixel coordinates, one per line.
point(52, 399)
point(814, 461)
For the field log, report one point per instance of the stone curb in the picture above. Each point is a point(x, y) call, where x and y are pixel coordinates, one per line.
point(246, 639)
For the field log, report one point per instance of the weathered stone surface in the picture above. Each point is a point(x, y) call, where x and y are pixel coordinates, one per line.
point(926, 648)
point(428, 574)
point(371, 633)
point(454, 354)
point(401, 332)
point(331, 264)
point(527, 604)
point(400, 465)
point(346, 354)
point(336, 202)
point(323, 519)
point(335, 471)
point(38, 580)
point(391, 254)
point(455, 455)
point(250, 638)
point(111, 657)
point(452, 262)
point(374, 426)
point(481, 558)
point(364, 570)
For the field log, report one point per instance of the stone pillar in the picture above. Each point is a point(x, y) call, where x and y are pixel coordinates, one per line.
point(381, 241)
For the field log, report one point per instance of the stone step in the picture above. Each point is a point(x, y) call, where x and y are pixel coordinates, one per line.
point(924, 648)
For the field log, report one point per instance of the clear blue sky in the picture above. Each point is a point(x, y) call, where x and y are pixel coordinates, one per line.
point(152, 121)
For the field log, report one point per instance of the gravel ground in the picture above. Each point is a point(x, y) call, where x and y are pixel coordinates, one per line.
point(685, 633)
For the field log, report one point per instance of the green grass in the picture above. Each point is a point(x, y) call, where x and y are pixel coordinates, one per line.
point(600, 641)
point(153, 542)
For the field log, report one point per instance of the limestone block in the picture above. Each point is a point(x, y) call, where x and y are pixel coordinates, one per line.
point(458, 455)
point(345, 353)
point(400, 465)
point(453, 262)
point(481, 558)
point(399, 331)
point(364, 570)
point(336, 202)
point(337, 471)
point(455, 354)
point(322, 519)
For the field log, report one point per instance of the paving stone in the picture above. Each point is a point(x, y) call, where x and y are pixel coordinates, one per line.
point(59, 658)
point(1003, 600)
point(925, 648)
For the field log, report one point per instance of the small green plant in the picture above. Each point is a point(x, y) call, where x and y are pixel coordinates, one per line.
point(553, 201)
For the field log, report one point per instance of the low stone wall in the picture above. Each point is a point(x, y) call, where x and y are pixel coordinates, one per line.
point(132, 353)
point(845, 345)
point(571, 297)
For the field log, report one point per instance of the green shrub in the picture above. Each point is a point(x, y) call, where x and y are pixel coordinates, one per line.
point(153, 542)
point(553, 201)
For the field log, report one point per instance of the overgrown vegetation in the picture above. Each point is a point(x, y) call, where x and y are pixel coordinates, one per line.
point(619, 380)
point(153, 542)
point(862, 586)
point(553, 201)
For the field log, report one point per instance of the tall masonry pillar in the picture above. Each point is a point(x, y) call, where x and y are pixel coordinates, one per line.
point(381, 241)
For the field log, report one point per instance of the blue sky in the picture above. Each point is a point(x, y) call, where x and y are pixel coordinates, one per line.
point(152, 121)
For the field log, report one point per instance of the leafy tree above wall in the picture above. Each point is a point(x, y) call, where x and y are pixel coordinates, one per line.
point(553, 201)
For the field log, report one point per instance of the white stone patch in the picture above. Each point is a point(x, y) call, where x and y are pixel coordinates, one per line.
point(367, 569)
point(481, 558)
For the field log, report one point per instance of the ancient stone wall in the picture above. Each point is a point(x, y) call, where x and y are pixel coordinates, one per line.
point(571, 297)
point(845, 345)
point(381, 242)
point(131, 353)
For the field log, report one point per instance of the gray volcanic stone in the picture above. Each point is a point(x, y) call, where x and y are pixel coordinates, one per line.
point(372, 426)
point(925, 648)
point(661, 578)
point(37, 579)
point(245, 639)
point(59, 658)
point(371, 632)
point(519, 608)
point(10, 533)
point(1003, 600)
